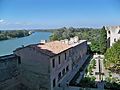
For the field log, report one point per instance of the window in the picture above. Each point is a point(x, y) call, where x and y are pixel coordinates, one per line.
point(59, 76)
point(119, 32)
point(108, 32)
point(59, 59)
point(67, 68)
point(114, 39)
point(63, 72)
point(80, 56)
point(58, 85)
point(54, 83)
point(53, 63)
point(65, 56)
point(19, 60)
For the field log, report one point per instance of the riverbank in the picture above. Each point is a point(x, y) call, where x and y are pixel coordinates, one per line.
point(6, 35)
point(8, 46)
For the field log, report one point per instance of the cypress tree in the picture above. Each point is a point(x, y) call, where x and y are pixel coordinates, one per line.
point(103, 40)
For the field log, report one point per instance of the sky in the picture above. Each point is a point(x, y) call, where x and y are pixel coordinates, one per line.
point(43, 14)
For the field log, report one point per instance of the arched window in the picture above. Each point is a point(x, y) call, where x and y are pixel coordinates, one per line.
point(108, 32)
point(119, 32)
point(114, 39)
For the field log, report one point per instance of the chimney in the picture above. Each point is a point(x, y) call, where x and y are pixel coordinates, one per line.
point(76, 39)
point(43, 41)
point(66, 41)
point(71, 41)
point(62, 41)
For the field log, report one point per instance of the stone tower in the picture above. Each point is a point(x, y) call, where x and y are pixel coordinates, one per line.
point(113, 34)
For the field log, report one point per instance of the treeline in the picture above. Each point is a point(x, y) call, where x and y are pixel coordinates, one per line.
point(4, 35)
point(89, 34)
point(97, 37)
point(43, 30)
point(112, 58)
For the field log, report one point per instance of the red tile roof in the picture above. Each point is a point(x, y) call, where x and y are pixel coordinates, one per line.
point(54, 46)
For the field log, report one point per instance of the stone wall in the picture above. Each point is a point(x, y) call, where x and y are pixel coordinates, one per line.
point(29, 69)
point(54, 71)
point(34, 69)
point(9, 72)
point(78, 52)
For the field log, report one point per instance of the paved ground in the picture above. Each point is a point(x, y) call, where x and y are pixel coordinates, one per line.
point(100, 83)
point(106, 72)
point(99, 68)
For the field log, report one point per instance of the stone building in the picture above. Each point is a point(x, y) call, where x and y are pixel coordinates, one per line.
point(113, 34)
point(9, 72)
point(47, 65)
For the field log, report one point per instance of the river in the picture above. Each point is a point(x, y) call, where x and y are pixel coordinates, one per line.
point(8, 46)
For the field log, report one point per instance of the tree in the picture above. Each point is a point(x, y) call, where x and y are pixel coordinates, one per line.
point(112, 57)
point(95, 47)
point(4, 35)
point(103, 40)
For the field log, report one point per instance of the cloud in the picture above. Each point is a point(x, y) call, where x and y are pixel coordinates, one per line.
point(1, 20)
point(23, 23)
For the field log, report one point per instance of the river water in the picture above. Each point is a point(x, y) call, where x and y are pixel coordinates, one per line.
point(7, 46)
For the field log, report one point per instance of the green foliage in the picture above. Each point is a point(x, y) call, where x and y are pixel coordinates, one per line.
point(93, 63)
point(88, 82)
point(83, 33)
point(112, 58)
point(112, 83)
point(89, 34)
point(95, 47)
point(62, 33)
point(90, 69)
point(91, 66)
point(97, 37)
point(103, 40)
point(99, 44)
point(4, 35)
